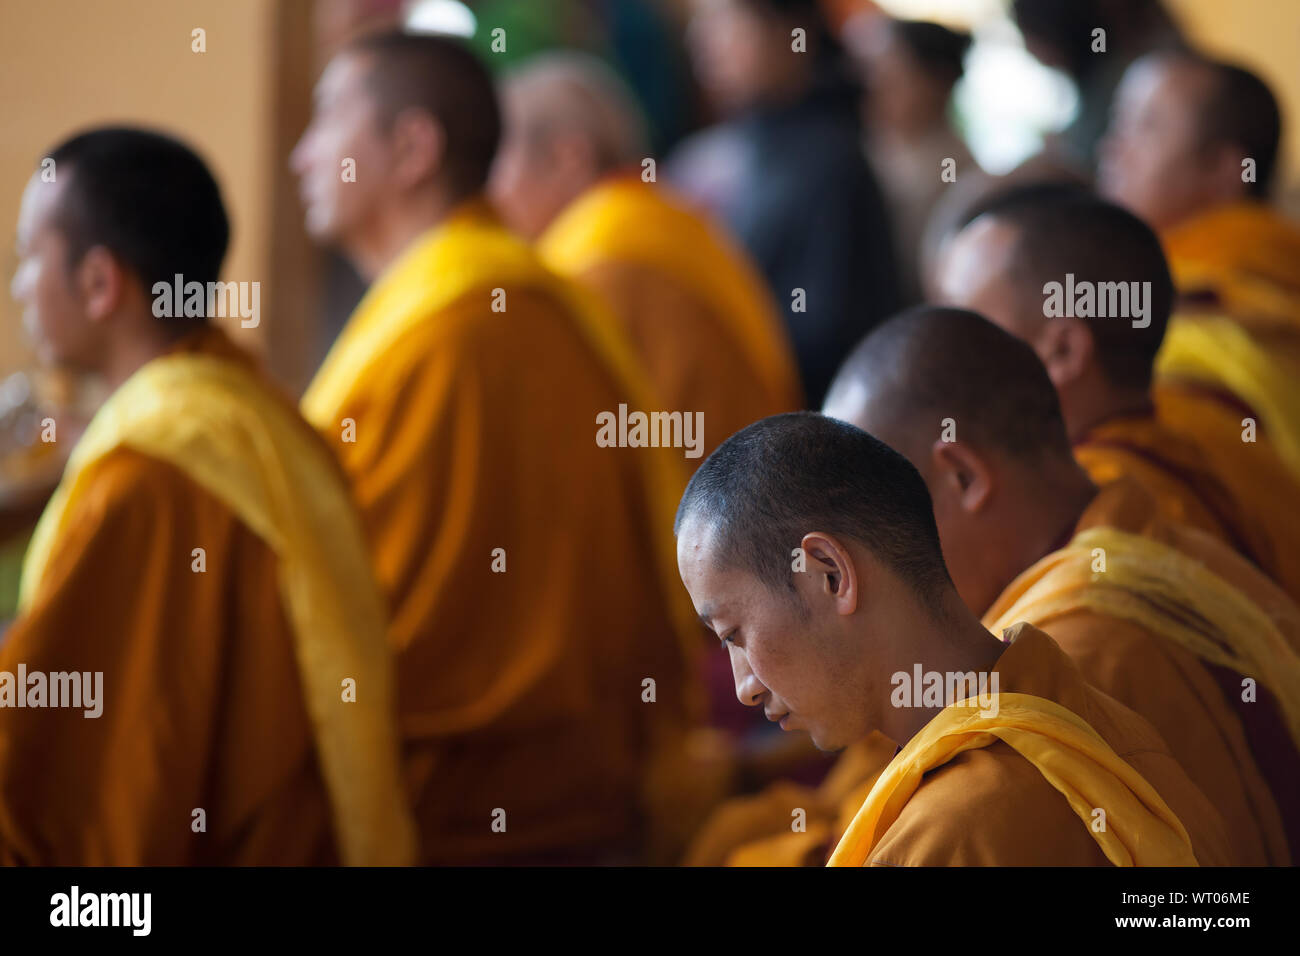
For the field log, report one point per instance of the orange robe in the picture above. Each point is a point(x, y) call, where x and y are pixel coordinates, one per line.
point(1190, 457)
point(203, 698)
point(1238, 325)
point(523, 563)
point(985, 804)
point(1228, 747)
point(697, 313)
point(787, 824)
point(1168, 467)
point(1263, 489)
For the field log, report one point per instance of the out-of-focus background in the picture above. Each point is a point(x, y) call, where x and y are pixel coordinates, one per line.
point(65, 64)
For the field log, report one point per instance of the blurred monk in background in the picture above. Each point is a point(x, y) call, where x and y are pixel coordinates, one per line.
point(462, 399)
point(821, 642)
point(1165, 619)
point(1193, 149)
point(201, 556)
point(1002, 265)
point(571, 175)
point(784, 169)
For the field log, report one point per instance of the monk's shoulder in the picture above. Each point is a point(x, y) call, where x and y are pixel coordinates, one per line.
point(140, 501)
point(125, 482)
point(987, 807)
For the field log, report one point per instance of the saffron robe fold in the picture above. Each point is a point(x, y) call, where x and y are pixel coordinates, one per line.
point(1263, 488)
point(531, 574)
point(1238, 329)
point(203, 553)
point(1190, 457)
point(1025, 786)
point(763, 829)
point(696, 311)
point(1167, 621)
point(1168, 466)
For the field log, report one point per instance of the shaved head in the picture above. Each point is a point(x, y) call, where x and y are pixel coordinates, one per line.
point(1239, 108)
point(578, 93)
point(973, 408)
point(773, 482)
point(570, 122)
point(930, 364)
point(1020, 240)
point(442, 77)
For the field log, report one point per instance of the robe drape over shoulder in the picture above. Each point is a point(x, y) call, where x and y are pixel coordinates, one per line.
point(544, 640)
point(1168, 466)
point(1169, 622)
point(203, 553)
point(697, 313)
point(1238, 326)
point(1189, 456)
point(1060, 775)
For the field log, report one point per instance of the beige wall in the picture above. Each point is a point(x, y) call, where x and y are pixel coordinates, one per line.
point(66, 64)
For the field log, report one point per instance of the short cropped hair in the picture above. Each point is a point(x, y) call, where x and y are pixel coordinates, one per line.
point(780, 478)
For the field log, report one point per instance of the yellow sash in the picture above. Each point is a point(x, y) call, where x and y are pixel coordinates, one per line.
point(1140, 828)
point(1166, 592)
point(472, 252)
point(219, 425)
point(1220, 352)
point(626, 219)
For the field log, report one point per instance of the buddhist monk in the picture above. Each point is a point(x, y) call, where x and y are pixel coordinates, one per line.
point(198, 674)
point(574, 174)
point(1165, 619)
point(472, 400)
point(1193, 149)
point(810, 550)
point(1057, 267)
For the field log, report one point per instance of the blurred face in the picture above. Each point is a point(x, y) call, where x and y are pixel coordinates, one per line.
point(1152, 159)
point(537, 172)
point(902, 96)
point(47, 285)
point(796, 666)
point(343, 160)
point(738, 55)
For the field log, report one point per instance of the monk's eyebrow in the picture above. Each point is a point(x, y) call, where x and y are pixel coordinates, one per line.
point(706, 617)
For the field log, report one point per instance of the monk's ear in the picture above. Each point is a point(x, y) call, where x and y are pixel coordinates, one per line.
point(961, 473)
point(100, 283)
point(419, 147)
point(1067, 349)
point(831, 572)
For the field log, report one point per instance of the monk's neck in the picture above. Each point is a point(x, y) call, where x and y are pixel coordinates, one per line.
point(130, 349)
point(391, 231)
point(955, 643)
point(1090, 412)
point(1048, 512)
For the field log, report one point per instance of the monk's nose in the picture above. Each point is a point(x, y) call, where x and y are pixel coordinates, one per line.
point(749, 690)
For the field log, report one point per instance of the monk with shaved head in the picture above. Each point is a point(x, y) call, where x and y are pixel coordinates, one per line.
point(463, 398)
point(1193, 148)
point(1164, 618)
point(1086, 285)
point(573, 174)
point(810, 549)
